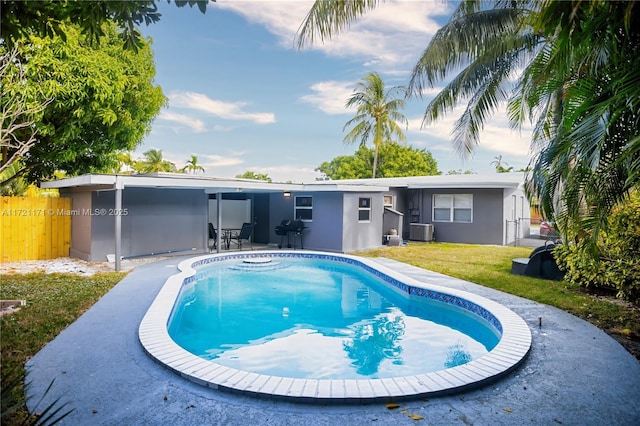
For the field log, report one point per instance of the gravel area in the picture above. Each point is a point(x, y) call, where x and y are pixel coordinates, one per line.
point(71, 265)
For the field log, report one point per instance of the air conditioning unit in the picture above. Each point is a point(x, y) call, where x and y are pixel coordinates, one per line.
point(421, 231)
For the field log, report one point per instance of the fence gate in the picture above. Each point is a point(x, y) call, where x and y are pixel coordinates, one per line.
point(34, 228)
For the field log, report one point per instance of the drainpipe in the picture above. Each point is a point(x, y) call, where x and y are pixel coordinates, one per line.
point(118, 222)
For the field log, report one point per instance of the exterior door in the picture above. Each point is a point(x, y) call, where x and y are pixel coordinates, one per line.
point(261, 231)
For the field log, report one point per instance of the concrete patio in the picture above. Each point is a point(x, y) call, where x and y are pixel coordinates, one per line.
point(575, 374)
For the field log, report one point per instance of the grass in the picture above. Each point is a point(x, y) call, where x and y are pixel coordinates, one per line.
point(490, 266)
point(53, 302)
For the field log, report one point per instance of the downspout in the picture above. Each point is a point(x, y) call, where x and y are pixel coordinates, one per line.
point(118, 222)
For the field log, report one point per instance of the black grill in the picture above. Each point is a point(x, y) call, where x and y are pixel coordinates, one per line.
point(288, 227)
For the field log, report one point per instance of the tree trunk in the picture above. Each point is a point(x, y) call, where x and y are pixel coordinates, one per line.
point(375, 160)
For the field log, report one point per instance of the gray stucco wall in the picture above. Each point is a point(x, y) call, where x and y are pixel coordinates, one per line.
point(335, 225)
point(157, 221)
point(80, 224)
point(362, 235)
point(487, 226)
point(324, 232)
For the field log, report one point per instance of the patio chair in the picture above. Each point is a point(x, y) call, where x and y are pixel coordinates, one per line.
point(213, 237)
point(244, 234)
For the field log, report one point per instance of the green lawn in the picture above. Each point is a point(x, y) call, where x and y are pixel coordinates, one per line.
point(55, 301)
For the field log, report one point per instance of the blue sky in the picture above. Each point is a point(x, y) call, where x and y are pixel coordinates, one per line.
point(243, 98)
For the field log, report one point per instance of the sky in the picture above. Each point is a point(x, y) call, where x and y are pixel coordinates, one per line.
point(242, 97)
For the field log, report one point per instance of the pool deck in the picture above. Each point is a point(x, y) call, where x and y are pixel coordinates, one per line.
point(575, 374)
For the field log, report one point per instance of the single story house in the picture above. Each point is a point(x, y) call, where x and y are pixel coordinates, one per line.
point(137, 215)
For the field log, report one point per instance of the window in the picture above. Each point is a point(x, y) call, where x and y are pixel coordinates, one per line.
point(388, 201)
point(452, 208)
point(364, 209)
point(304, 208)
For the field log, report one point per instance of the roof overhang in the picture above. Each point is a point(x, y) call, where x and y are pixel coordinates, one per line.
point(469, 181)
point(210, 185)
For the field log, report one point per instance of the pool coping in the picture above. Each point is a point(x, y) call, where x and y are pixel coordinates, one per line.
point(507, 355)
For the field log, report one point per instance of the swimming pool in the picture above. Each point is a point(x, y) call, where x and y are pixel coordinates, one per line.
point(356, 371)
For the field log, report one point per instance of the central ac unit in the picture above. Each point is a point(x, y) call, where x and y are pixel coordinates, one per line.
point(421, 232)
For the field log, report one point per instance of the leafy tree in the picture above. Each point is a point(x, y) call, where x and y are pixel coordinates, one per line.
point(153, 162)
point(460, 172)
point(12, 186)
point(18, 114)
point(377, 114)
point(192, 165)
point(49, 18)
point(125, 164)
point(255, 176)
point(395, 160)
point(104, 101)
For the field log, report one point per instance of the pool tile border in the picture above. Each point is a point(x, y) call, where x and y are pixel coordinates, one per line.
point(510, 351)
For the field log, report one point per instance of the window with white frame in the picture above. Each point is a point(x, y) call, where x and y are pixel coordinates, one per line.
point(364, 209)
point(453, 208)
point(388, 201)
point(303, 208)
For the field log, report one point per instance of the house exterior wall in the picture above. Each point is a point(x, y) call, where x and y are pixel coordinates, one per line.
point(157, 221)
point(362, 235)
point(324, 232)
point(80, 224)
point(487, 226)
point(517, 214)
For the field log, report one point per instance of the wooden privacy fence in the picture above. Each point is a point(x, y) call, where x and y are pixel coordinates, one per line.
point(34, 228)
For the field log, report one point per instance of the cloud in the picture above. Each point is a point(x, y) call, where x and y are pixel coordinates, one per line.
point(213, 161)
point(219, 128)
point(193, 123)
point(330, 96)
point(226, 110)
point(391, 35)
point(496, 136)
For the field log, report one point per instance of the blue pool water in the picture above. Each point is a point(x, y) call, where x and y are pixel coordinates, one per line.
point(314, 318)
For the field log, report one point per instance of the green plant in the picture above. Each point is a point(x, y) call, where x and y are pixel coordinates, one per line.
point(618, 264)
point(12, 412)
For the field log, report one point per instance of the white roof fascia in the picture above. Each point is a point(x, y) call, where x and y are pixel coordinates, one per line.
point(213, 185)
point(82, 180)
point(470, 181)
point(343, 188)
point(209, 184)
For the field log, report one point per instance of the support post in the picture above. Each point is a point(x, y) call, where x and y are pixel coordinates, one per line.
point(118, 223)
point(219, 221)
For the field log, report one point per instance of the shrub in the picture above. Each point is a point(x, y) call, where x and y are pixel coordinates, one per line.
point(617, 265)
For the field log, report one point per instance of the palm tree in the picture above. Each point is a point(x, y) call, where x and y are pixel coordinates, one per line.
point(497, 162)
point(192, 166)
point(584, 89)
point(377, 114)
point(492, 42)
point(500, 168)
point(153, 162)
